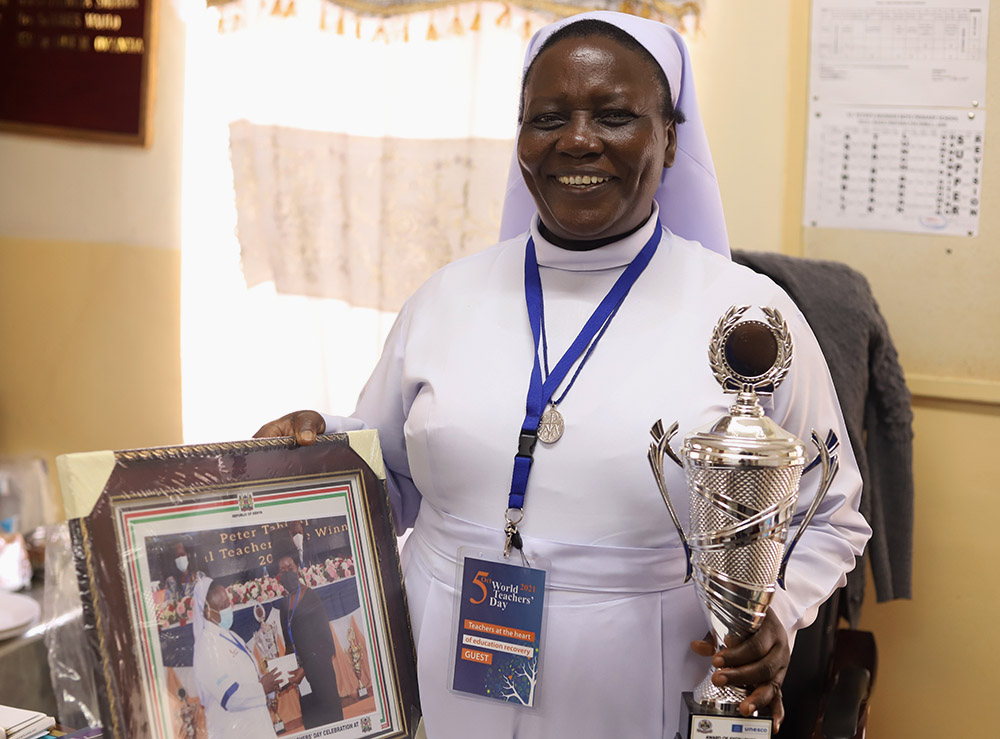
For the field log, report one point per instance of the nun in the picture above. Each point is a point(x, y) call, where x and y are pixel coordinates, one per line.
point(232, 691)
point(589, 320)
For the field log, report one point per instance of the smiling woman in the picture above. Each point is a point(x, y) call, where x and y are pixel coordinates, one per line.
point(612, 222)
point(595, 135)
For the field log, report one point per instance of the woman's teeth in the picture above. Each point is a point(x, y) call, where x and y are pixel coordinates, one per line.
point(582, 180)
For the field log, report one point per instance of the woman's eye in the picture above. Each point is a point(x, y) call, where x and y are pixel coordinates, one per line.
point(617, 117)
point(547, 120)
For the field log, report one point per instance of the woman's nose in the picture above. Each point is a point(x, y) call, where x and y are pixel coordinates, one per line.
point(580, 137)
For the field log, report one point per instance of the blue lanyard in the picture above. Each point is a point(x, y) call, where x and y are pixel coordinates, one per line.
point(239, 645)
point(540, 392)
point(291, 616)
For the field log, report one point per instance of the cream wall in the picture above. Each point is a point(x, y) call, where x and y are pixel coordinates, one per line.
point(743, 96)
point(90, 282)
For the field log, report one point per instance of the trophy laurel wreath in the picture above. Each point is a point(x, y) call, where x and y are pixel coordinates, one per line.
point(742, 474)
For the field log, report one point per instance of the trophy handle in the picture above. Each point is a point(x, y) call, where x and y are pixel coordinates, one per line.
point(831, 464)
point(659, 447)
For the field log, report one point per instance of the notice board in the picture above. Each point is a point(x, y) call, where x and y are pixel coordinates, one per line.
point(77, 68)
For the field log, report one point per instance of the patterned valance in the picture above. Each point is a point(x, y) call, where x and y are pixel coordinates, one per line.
point(339, 15)
point(675, 9)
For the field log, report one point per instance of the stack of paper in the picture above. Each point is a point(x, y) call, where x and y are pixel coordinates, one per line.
point(18, 723)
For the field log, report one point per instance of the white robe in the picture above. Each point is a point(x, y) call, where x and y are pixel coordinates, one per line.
point(448, 399)
point(229, 687)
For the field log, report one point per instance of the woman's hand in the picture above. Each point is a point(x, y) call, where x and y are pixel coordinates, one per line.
point(269, 681)
point(303, 425)
point(759, 664)
point(294, 678)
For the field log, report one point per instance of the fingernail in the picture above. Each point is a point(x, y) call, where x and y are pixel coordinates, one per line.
point(720, 679)
point(308, 436)
point(718, 661)
point(753, 709)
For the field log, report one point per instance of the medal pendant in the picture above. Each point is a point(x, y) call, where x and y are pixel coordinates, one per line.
point(551, 426)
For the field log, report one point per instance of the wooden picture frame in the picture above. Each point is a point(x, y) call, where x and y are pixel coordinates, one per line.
point(231, 513)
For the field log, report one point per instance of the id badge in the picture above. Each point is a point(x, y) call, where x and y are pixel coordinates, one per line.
point(499, 628)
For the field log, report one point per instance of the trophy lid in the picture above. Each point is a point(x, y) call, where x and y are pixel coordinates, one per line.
point(750, 358)
point(744, 441)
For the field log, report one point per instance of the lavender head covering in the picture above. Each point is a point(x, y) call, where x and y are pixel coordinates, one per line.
point(688, 196)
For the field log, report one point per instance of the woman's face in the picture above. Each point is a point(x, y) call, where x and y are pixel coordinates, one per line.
point(593, 141)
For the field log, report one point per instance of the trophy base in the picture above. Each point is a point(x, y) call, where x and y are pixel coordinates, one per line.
point(703, 722)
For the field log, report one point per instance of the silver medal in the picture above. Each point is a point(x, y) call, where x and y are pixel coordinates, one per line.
point(551, 426)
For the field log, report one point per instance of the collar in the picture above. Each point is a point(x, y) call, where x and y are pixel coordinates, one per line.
point(616, 254)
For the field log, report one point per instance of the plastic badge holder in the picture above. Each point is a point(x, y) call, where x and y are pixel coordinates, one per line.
point(500, 613)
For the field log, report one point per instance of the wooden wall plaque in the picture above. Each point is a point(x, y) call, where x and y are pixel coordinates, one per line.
point(77, 69)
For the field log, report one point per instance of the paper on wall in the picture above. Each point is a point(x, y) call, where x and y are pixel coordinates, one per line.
point(919, 52)
point(904, 169)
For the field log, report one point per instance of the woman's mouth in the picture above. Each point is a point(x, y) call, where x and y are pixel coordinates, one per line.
point(582, 180)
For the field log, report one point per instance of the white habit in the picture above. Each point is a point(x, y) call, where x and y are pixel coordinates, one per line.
point(448, 399)
point(229, 686)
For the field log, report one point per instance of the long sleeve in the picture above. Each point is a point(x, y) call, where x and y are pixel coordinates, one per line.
point(843, 312)
point(382, 405)
point(838, 533)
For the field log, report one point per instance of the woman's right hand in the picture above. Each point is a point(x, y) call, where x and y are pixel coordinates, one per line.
point(303, 425)
point(269, 681)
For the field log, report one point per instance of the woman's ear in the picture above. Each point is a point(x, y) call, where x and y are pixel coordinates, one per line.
point(671, 150)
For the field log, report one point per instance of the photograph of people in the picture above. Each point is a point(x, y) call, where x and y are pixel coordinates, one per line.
point(230, 688)
point(611, 167)
point(294, 534)
point(182, 572)
point(306, 631)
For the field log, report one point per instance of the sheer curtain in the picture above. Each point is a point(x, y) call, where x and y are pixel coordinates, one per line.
point(332, 162)
point(341, 143)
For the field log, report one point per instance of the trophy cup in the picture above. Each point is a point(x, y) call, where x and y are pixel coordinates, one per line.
point(742, 474)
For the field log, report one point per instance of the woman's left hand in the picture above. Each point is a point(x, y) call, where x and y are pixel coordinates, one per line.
point(759, 664)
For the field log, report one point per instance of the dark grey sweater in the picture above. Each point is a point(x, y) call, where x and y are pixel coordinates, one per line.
point(839, 306)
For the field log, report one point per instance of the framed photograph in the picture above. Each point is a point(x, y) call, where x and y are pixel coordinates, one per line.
point(245, 589)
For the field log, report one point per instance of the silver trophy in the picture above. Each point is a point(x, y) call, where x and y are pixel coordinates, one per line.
point(742, 475)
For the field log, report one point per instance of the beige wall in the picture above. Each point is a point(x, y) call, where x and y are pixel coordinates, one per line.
point(937, 648)
point(90, 282)
point(743, 96)
point(91, 346)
